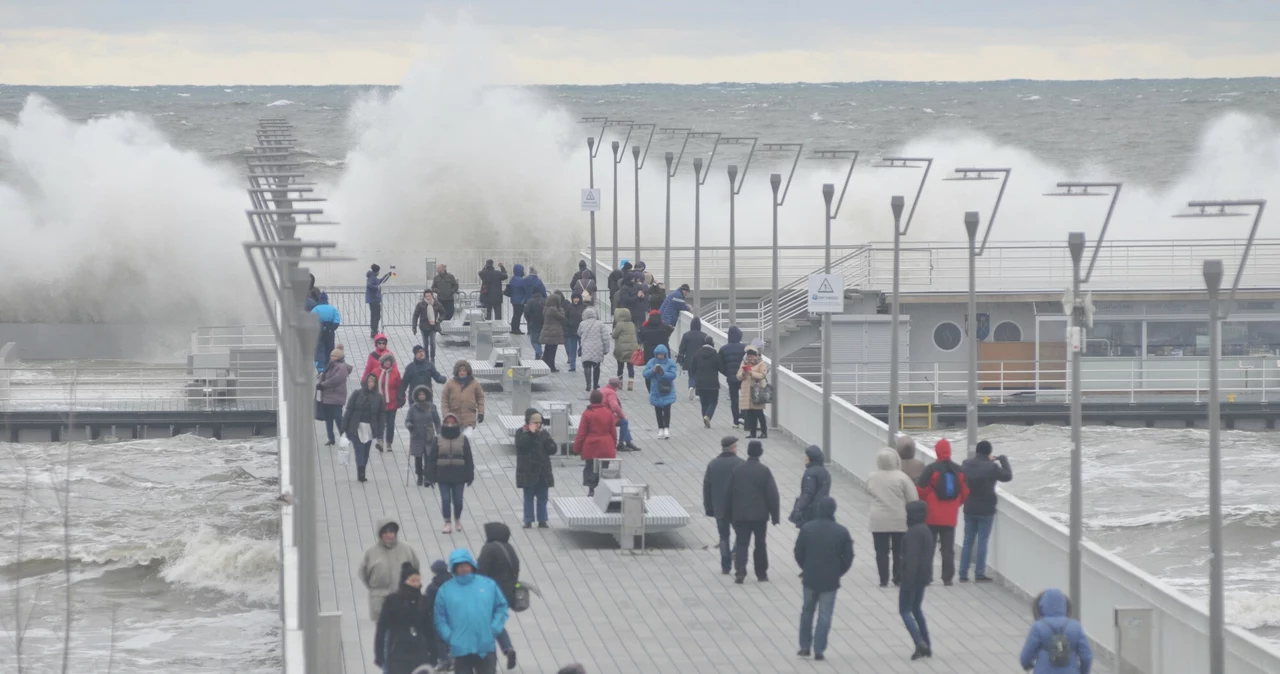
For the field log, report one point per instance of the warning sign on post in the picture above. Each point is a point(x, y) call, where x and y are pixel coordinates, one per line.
point(591, 199)
point(826, 293)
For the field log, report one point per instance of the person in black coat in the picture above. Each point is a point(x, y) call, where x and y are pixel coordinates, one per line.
point(498, 560)
point(405, 638)
point(731, 355)
point(365, 413)
point(573, 282)
point(715, 490)
point(419, 372)
point(981, 472)
point(824, 551)
point(441, 576)
point(616, 276)
point(690, 342)
point(704, 376)
point(815, 485)
point(917, 573)
point(652, 333)
point(491, 289)
point(534, 449)
point(751, 501)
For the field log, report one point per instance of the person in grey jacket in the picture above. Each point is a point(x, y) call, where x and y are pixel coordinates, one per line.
point(423, 422)
point(912, 466)
point(815, 485)
point(981, 471)
point(593, 339)
point(751, 501)
point(332, 386)
point(917, 573)
point(715, 490)
point(380, 568)
point(890, 490)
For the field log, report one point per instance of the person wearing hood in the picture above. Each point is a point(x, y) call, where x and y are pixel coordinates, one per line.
point(890, 490)
point(420, 372)
point(657, 295)
point(423, 422)
point(675, 303)
point(753, 372)
point(498, 560)
point(815, 485)
point(379, 570)
point(917, 573)
point(690, 342)
point(704, 375)
point(363, 419)
point(573, 311)
point(313, 294)
point(751, 501)
point(453, 469)
point(373, 295)
point(625, 343)
point(981, 472)
point(534, 449)
point(463, 396)
point(597, 438)
point(584, 287)
point(491, 293)
point(535, 315)
point(731, 356)
point(518, 291)
point(389, 389)
point(912, 466)
point(943, 487)
point(610, 396)
point(445, 287)
point(330, 319)
point(427, 317)
point(1056, 643)
point(551, 335)
point(470, 611)
point(635, 298)
point(654, 333)
point(404, 639)
point(593, 342)
point(534, 283)
point(616, 276)
point(440, 576)
point(573, 281)
point(715, 495)
point(824, 552)
point(660, 376)
point(374, 362)
point(332, 385)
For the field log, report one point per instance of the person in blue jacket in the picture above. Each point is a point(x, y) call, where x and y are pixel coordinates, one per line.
point(373, 296)
point(1054, 636)
point(330, 319)
point(519, 294)
point(470, 611)
point(661, 373)
point(731, 355)
point(674, 304)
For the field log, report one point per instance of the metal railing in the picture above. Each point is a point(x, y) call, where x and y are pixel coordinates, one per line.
point(133, 388)
point(210, 339)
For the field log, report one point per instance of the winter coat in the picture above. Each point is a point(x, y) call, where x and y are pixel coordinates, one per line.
point(597, 434)
point(672, 306)
point(573, 312)
point(654, 333)
point(912, 466)
point(535, 312)
point(444, 286)
point(517, 288)
point(553, 322)
point(419, 320)
point(419, 373)
point(586, 282)
point(373, 286)
point(462, 397)
point(389, 384)
point(637, 301)
point(1053, 618)
point(891, 490)
point(941, 513)
point(917, 547)
point(451, 460)
point(981, 474)
point(423, 422)
point(732, 353)
point(533, 458)
point(757, 375)
point(715, 484)
point(624, 335)
point(329, 317)
point(824, 549)
point(611, 401)
point(405, 638)
point(470, 610)
point(752, 495)
point(498, 559)
point(363, 407)
point(437, 582)
point(491, 285)
point(380, 568)
point(333, 382)
point(690, 342)
point(815, 485)
point(669, 372)
point(593, 337)
point(616, 276)
point(534, 285)
point(657, 297)
point(373, 362)
point(704, 366)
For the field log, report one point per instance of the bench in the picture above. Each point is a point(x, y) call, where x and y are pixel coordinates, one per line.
point(583, 513)
point(489, 370)
point(514, 422)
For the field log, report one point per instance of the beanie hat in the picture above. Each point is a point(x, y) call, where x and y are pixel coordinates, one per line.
point(582, 264)
point(728, 441)
point(375, 268)
point(487, 263)
point(417, 348)
point(685, 287)
point(984, 447)
point(755, 448)
point(324, 297)
point(438, 567)
point(615, 382)
point(407, 569)
point(338, 353)
point(530, 413)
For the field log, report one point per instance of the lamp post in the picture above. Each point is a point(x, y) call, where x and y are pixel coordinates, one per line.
point(592, 149)
point(698, 179)
point(828, 191)
point(775, 340)
point(639, 164)
point(617, 159)
point(672, 168)
point(735, 186)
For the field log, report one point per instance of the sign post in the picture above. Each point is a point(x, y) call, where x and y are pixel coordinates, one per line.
point(826, 293)
point(591, 199)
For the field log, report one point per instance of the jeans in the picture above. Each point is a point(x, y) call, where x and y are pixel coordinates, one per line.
point(825, 603)
point(537, 492)
point(375, 317)
point(735, 387)
point(571, 350)
point(976, 528)
point(624, 431)
point(332, 418)
point(534, 334)
point(591, 373)
point(709, 401)
point(663, 415)
point(362, 450)
point(517, 310)
point(493, 311)
point(945, 537)
point(631, 369)
point(724, 527)
point(549, 355)
point(504, 640)
point(475, 664)
point(429, 344)
point(911, 606)
point(451, 492)
point(745, 530)
point(886, 541)
point(324, 346)
point(389, 423)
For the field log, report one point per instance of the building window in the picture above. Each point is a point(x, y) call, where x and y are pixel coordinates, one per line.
point(947, 336)
point(1115, 338)
point(1008, 331)
point(1177, 338)
point(1250, 338)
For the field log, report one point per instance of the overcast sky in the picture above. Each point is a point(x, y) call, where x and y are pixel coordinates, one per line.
point(140, 42)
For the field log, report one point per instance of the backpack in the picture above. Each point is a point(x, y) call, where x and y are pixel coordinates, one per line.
point(946, 485)
point(1059, 649)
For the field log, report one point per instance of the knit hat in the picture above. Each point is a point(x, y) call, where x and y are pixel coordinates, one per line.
point(984, 447)
point(407, 569)
point(438, 567)
point(338, 353)
point(728, 441)
point(615, 382)
point(417, 348)
point(685, 287)
point(375, 268)
point(755, 448)
point(530, 413)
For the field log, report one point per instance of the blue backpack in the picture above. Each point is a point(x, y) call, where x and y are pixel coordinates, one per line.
point(947, 485)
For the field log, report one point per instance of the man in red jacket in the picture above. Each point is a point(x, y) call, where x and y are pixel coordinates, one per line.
point(942, 486)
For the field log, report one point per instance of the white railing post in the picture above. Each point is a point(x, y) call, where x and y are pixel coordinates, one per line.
point(1197, 381)
point(937, 386)
point(1132, 367)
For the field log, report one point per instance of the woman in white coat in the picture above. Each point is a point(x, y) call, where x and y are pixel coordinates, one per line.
point(891, 490)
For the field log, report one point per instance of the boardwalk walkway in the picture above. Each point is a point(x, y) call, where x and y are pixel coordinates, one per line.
point(667, 609)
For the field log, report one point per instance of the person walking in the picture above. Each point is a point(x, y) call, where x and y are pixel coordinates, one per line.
point(535, 315)
point(380, 567)
point(704, 376)
point(452, 468)
point(824, 552)
point(715, 495)
point(890, 490)
point(374, 362)
point(584, 287)
point(389, 389)
point(616, 276)
point(573, 281)
point(440, 576)
point(597, 438)
point(373, 295)
point(593, 341)
point(572, 321)
point(423, 423)
point(942, 486)
point(498, 560)
point(404, 639)
point(675, 303)
point(419, 372)
point(625, 344)
point(751, 502)
point(330, 319)
point(534, 449)
point(533, 282)
point(731, 357)
point(815, 485)
point(1056, 643)
point(912, 466)
point(610, 395)
point(445, 286)
point(551, 336)
point(917, 573)
point(470, 611)
point(754, 373)
point(654, 333)
point(427, 317)
point(518, 291)
point(981, 473)
point(491, 289)
point(660, 376)
point(362, 422)
point(463, 397)
point(657, 294)
point(690, 342)
point(332, 385)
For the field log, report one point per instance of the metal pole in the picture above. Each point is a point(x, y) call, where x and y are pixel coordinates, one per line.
point(733, 258)
point(697, 236)
point(1075, 242)
point(1217, 652)
point(666, 247)
point(828, 191)
point(591, 183)
point(971, 413)
point(635, 154)
point(617, 261)
point(775, 341)
point(895, 204)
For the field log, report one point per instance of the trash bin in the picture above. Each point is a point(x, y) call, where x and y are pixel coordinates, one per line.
point(519, 380)
point(482, 337)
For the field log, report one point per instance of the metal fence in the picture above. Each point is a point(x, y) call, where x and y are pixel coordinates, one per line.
point(213, 339)
point(131, 388)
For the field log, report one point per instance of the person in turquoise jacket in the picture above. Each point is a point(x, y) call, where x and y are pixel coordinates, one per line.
point(330, 319)
point(661, 373)
point(1054, 635)
point(470, 611)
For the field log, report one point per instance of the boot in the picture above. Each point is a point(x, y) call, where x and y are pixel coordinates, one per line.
point(360, 475)
point(629, 383)
point(379, 446)
point(419, 479)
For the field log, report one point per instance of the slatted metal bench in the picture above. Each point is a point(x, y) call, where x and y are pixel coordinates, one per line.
point(514, 422)
point(489, 370)
point(582, 513)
